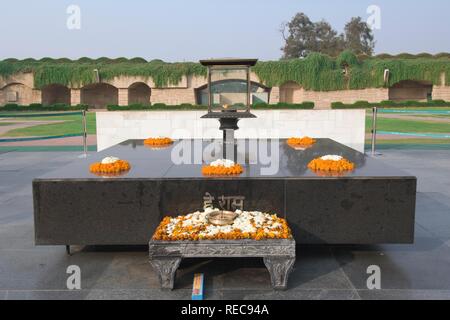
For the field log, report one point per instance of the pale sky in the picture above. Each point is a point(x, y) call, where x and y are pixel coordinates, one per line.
point(189, 30)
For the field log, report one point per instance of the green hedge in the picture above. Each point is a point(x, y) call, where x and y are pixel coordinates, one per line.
point(283, 105)
point(390, 104)
point(40, 107)
point(187, 106)
point(156, 106)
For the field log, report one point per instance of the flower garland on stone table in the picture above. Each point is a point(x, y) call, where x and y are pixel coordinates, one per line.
point(248, 225)
point(110, 166)
point(303, 142)
point(222, 167)
point(332, 164)
point(158, 142)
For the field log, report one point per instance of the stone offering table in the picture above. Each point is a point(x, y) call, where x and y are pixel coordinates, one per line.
point(278, 256)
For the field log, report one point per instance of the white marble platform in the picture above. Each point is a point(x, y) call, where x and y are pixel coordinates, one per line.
point(344, 126)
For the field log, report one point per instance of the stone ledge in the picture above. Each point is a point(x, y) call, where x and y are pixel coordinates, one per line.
point(278, 255)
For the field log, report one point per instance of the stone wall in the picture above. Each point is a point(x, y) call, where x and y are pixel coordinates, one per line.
point(139, 93)
point(17, 93)
point(441, 93)
point(26, 79)
point(323, 99)
point(55, 94)
point(185, 92)
point(410, 90)
point(173, 96)
point(99, 95)
point(291, 92)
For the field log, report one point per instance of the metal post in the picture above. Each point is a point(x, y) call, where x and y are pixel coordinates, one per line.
point(249, 89)
point(84, 133)
point(374, 130)
point(210, 94)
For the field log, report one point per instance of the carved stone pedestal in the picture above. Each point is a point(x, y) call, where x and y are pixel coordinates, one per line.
point(278, 255)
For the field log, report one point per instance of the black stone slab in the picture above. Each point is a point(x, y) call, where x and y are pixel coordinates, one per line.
point(373, 204)
point(351, 211)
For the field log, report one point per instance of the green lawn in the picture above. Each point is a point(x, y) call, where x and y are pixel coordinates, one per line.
point(72, 124)
point(399, 125)
point(6, 123)
point(422, 109)
point(411, 140)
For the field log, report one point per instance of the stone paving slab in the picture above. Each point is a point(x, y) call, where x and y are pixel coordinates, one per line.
point(404, 294)
point(418, 271)
point(314, 294)
point(68, 141)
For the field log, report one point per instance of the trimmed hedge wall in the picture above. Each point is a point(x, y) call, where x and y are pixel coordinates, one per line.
point(305, 105)
point(187, 106)
point(390, 104)
point(40, 107)
point(156, 106)
point(317, 72)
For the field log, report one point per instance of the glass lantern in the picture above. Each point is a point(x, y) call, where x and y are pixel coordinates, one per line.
point(229, 86)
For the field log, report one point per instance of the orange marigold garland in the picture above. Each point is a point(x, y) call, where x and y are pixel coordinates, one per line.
point(331, 164)
point(301, 142)
point(158, 142)
point(176, 229)
point(222, 167)
point(222, 171)
point(328, 174)
point(110, 166)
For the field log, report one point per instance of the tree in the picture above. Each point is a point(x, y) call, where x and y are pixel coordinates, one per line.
point(359, 37)
point(327, 39)
point(298, 42)
point(302, 36)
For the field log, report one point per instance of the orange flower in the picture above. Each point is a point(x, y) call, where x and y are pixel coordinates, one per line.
point(158, 142)
point(331, 165)
point(222, 170)
point(301, 142)
point(110, 168)
point(190, 233)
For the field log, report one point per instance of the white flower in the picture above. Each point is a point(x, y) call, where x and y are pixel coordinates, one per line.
point(331, 157)
point(109, 160)
point(222, 163)
point(209, 209)
point(246, 222)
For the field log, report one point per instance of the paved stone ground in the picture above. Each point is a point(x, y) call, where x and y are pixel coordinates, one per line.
point(321, 272)
point(69, 141)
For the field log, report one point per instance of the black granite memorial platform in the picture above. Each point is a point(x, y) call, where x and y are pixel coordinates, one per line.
point(374, 204)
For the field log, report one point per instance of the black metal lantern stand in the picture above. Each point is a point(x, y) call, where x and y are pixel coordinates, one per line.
point(228, 116)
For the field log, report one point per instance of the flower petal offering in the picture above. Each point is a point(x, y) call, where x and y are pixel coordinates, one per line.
point(247, 225)
point(303, 142)
point(222, 167)
point(110, 165)
point(331, 163)
point(158, 142)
